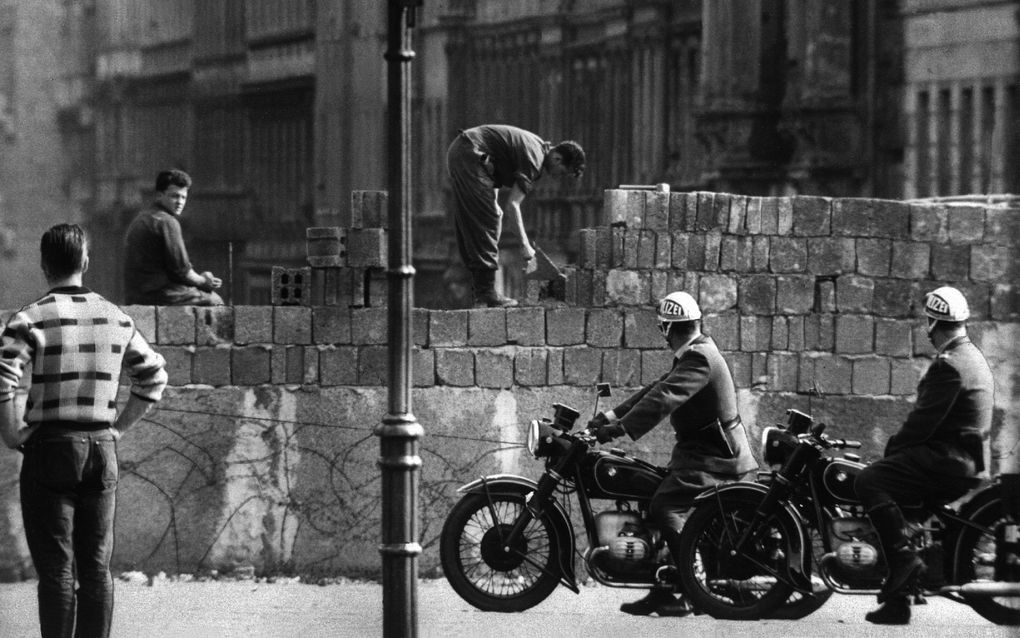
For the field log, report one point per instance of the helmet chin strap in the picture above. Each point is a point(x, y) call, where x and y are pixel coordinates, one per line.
point(931, 325)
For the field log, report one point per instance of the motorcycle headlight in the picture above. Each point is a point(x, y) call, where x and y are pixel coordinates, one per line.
point(543, 439)
point(776, 445)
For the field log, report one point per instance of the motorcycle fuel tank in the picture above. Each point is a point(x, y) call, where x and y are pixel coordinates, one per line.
point(838, 478)
point(623, 477)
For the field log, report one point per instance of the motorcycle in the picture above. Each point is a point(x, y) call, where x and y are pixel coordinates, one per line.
point(509, 541)
point(746, 546)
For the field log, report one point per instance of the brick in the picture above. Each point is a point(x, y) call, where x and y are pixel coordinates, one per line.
point(966, 223)
point(757, 294)
point(175, 324)
point(950, 262)
point(735, 254)
point(635, 209)
point(678, 211)
point(713, 248)
point(795, 295)
point(929, 223)
point(787, 254)
point(530, 367)
point(784, 216)
point(369, 326)
point(894, 298)
point(910, 259)
point(621, 367)
point(554, 366)
point(144, 318)
point(326, 246)
point(832, 374)
point(214, 325)
point(753, 215)
point(830, 255)
point(874, 257)
point(654, 363)
point(614, 207)
point(494, 369)
point(724, 330)
point(854, 294)
point(292, 324)
point(1005, 303)
point(179, 361)
point(582, 366)
point(617, 248)
point(991, 263)
point(769, 215)
point(783, 372)
point(338, 365)
point(448, 327)
point(641, 329)
point(603, 248)
point(366, 248)
point(705, 218)
point(627, 287)
point(657, 210)
point(331, 324)
point(487, 327)
point(678, 250)
point(586, 248)
point(373, 365)
point(291, 286)
point(811, 216)
point(211, 366)
point(780, 333)
point(251, 365)
point(855, 334)
point(819, 332)
point(760, 254)
point(565, 326)
point(253, 324)
point(825, 295)
point(893, 337)
point(736, 221)
point(423, 361)
point(604, 328)
point(871, 376)
point(717, 293)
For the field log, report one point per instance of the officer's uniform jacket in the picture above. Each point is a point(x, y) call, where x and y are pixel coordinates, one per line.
point(697, 394)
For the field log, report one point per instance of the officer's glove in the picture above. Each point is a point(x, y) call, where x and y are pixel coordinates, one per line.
point(598, 421)
point(607, 433)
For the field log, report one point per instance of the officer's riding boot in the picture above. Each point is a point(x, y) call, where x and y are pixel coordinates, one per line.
point(484, 280)
point(660, 599)
point(904, 567)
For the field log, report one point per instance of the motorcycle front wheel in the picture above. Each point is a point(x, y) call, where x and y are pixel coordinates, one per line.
point(482, 569)
point(976, 563)
point(727, 583)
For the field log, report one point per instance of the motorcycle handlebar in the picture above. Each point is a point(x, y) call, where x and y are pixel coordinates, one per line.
point(840, 443)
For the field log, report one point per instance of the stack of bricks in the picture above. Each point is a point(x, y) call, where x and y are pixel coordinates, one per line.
point(346, 266)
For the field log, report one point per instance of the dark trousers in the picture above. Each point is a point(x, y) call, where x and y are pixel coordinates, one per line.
point(932, 473)
point(68, 498)
point(477, 220)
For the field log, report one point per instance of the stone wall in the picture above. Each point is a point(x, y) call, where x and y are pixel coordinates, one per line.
point(263, 451)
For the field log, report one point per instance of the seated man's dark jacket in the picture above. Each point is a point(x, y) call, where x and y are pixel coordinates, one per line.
point(154, 253)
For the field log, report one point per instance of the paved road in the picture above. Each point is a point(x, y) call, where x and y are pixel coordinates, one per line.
point(250, 609)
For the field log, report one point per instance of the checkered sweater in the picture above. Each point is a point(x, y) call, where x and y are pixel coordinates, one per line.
point(77, 343)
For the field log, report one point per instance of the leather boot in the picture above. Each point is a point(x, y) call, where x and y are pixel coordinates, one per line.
point(904, 565)
point(894, 611)
point(486, 296)
point(659, 601)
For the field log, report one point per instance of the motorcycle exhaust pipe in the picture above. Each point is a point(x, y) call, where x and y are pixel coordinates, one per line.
point(984, 589)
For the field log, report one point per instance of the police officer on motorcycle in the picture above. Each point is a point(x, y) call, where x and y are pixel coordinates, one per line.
point(698, 396)
point(936, 454)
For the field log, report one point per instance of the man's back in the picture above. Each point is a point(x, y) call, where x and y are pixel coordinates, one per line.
point(154, 253)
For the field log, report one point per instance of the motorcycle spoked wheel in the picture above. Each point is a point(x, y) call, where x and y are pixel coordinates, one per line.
point(477, 565)
point(800, 605)
point(976, 562)
point(741, 586)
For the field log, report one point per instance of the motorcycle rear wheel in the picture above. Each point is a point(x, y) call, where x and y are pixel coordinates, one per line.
point(976, 562)
point(479, 568)
point(733, 587)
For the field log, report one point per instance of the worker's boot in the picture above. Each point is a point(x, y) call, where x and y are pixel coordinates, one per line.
point(905, 567)
point(485, 290)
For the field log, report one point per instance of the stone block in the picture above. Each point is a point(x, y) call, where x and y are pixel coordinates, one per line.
point(825, 295)
point(736, 223)
point(604, 328)
point(795, 332)
point(830, 255)
point(819, 332)
point(175, 325)
point(795, 294)
point(784, 216)
point(420, 326)
point(214, 325)
point(311, 360)
point(713, 248)
point(752, 215)
point(783, 370)
point(895, 298)
point(331, 324)
point(569, 288)
point(294, 364)
point(663, 250)
point(631, 247)
point(950, 262)
point(448, 328)
point(966, 223)
point(811, 216)
point(530, 366)
point(874, 257)
point(654, 364)
point(291, 286)
point(326, 246)
point(755, 333)
point(735, 254)
point(929, 223)
point(832, 373)
point(179, 360)
point(373, 365)
point(657, 210)
point(423, 361)
point(331, 286)
point(721, 211)
point(494, 369)
point(582, 366)
point(338, 365)
point(143, 316)
point(614, 207)
point(855, 334)
point(598, 288)
point(893, 337)
point(377, 287)
point(788, 255)
point(635, 209)
point(759, 369)
point(779, 332)
point(627, 287)
point(756, 295)
point(904, 374)
point(641, 329)
point(660, 284)
point(705, 217)
point(554, 366)
point(583, 291)
point(369, 326)
point(760, 253)
point(565, 326)
point(253, 324)
point(696, 251)
point(678, 250)
point(487, 327)
point(724, 329)
point(740, 368)
point(854, 294)
point(1002, 226)
point(890, 219)
point(618, 239)
point(366, 248)
point(292, 324)
point(871, 218)
point(646, 249)
point(1005, 302)
point(525, 326)
point(211, 366)
point(678, 211)
point(717, 293)
point(769, 215)
point(369, 209)
point(911, 260)
point(871, 375)
point(992, 263)
point(587, 248)
point(621, 367)
point(603, 248)
point(251, 365)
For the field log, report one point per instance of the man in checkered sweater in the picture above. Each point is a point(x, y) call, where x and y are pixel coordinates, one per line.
point(77, 344)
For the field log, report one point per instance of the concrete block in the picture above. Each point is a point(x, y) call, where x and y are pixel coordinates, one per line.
point(1005, 302)
point(604, 328)
point(291, 286)
point(635, 209)
point(759, 369)
point(455, 367)
point(663, 249)
point(292, 324)
point(1002, 226)
point(992, 263)
point(751, 328)
point(874, 257)
point(819, 332)
point(911, 259)
point(326, 246)
point(735, 254)
point(251, 365)
point(331, 286)
point(721, 211)
point(627, 288)
point(654, 364)
point(311, 376)
point(614, 207)
point(525, 326)
point(494, 369)
point(795, 294)
point(833, 374)
point(373, 365)
point(678, 211)
point(950, 262)
point(582, 366)
point(706, 211)
point(569, 287)
point(830, 255)
point(788, 255)
point(533, 292)
point(871, 376)
point(587, 248)
point(760, 253)
point(929, 223)
point(621, 367)
point(487, 327)
point(211, 366)
point(253, 324)
point(871, 218)
point(377, 287)
point(179, 360)
point(641, 329)
point(603, 248)
point(890, 219)
point(795, 332)
point(175, 324)
point(618, 247)
point(631, 248)
point(420, 326)
point(646, 249)
point(294, 364)
point(895, 298)
point(369, 326)
point(598, 288)
point(554, 366)
point(678, 250)
point(783, 369)
point(143, 316)
point(724, 329)
point(811, 216)
point(423, 362)
point(966, 223)
point(530, 366)
point(855, 334)
point(904, 375)
point(740, 368)
point(369, 209)
point(784, 218)
point(657, 210)
point(854, 294)
point(769, 215)
point(717, 293)
point(366, 248)
point(583, 282)
point(338, 365)
point(736, 219)
point(825, 295)
point(660, 283)
point(779, 333)
point(978, 294)
point(214, 325)
point(753, 215)
point(756, 295)
point(331, 324)
point(713, 248)
point(448, 328)
point(696, 251)
point(565, 326)
point(893, 337)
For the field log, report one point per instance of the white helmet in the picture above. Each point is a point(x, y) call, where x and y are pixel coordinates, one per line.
point(678, 306)
point(946, 304)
